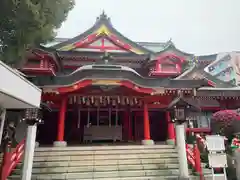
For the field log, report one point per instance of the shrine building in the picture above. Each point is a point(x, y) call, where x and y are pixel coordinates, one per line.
point(102, 86)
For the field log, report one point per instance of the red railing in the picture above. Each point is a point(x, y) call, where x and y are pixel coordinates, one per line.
point(190, 156)
point(194, 159)
point(11, 159)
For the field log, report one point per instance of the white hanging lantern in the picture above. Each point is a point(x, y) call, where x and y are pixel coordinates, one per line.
point(83, 100)
point(118, 100)
point(114, 102)
point(131, 102)
point(135, 101)
point(88, 102)
point(127, 100)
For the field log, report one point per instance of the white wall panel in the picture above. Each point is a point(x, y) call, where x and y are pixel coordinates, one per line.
point(16, 91)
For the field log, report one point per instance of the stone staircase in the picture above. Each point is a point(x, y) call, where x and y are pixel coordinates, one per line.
point(131, 162)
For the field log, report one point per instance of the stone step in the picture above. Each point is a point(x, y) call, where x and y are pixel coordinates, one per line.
point(132, 178)
point(99, 163)
point(105, 163)
point(104, 174)
point(111, 178)
point(100, 168)
point(104, 152)
point(104, 157)
point(104, 147)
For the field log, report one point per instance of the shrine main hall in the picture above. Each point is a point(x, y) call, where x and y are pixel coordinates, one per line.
point(102, 86)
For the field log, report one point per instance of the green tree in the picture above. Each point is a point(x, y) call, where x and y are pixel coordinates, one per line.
point(27, 23)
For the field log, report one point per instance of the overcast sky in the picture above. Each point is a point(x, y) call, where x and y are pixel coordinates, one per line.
point(195, 26)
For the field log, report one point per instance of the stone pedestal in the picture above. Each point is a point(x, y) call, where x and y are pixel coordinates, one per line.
point(170, 142)
point(147, 142)
point(60, 144)
point(36, 144)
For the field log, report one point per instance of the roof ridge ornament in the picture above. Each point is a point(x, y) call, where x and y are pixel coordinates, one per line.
point(170, 42)
point(103, 16)
point(106, 57)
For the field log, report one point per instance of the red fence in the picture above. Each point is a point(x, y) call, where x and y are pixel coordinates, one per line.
point(194, 159)
point(11, 159)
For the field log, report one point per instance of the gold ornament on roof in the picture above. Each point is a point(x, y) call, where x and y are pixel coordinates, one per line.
point(103, 30)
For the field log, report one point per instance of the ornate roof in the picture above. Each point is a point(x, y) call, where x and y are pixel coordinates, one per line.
point(101, 29)
point(151, 46)
point(219, 69)
point(121, 73)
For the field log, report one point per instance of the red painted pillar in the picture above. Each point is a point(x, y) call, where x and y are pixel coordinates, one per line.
point(171, 129)
point(146, 125)
point(61, 120)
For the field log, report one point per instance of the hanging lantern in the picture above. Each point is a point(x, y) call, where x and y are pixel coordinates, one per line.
point(135, 101)
point(131, 102)
point(74, 99)
point(92, 100)
point(127, 100)
point(114, 103)
point(118, 100)
point(96, 102)
point(32, 116)
point(122, 101)
point(88, 102)
point(83, 100)
point(104, 101)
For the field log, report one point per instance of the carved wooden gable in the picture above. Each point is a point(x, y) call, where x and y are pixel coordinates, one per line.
point(102, 36)
point(167, 64)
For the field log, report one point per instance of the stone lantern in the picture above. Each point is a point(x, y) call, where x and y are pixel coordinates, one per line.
point(32, 117)
point(180, 107)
